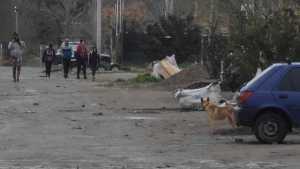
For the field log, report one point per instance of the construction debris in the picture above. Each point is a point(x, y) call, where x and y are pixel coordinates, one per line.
point(191, 99)
point(166, 68)
point(195, 74)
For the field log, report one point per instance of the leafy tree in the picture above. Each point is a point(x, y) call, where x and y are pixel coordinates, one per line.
point(259, 38)
point(52, 19)
point(173, 35)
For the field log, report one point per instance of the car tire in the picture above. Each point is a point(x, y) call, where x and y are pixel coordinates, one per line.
point(271, 128)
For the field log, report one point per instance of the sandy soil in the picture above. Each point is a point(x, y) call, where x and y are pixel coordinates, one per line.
point(82, 124)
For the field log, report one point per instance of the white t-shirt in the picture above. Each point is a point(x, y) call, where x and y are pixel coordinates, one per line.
point(16, 50)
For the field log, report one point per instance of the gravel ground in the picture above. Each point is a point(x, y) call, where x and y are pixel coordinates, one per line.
point(82, 124)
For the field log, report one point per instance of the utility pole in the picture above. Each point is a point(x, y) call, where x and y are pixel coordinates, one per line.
point(17, 19)
point(118, 25)
point(169, 6)
point(99, 26)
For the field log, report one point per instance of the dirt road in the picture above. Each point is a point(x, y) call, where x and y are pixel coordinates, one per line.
point(82, 124)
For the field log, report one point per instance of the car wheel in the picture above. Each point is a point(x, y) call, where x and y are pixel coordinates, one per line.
point(271, 128)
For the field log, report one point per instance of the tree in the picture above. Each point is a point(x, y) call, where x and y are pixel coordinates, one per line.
point(173, 35)
point(52, 19)
point(260, 37)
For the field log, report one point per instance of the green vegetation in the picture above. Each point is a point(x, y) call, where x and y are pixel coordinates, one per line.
point(173, 35)
point(144, 78)
point(259, 39)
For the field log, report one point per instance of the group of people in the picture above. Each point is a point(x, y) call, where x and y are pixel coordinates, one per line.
point(83, 57)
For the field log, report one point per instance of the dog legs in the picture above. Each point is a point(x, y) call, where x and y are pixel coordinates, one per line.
point(211, 125)
point(231, 120)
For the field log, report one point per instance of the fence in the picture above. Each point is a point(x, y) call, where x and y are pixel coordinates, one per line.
point(3, 50)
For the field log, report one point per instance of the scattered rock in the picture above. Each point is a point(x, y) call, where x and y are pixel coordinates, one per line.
point(164, 166)
point(120, 81)
point(144, 112)
point(98, 114)
point(139, 123)
point(30, 112)
point(101, 104)
point(239, 140)
point(234, 132)
point(36, 104)
point(172, 131)
point(77, 128)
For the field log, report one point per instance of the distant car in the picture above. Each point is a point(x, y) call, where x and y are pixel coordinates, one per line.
point(106, 64)
point(270, 103)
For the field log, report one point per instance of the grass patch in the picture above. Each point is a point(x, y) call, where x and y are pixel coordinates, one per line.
point(145, 78)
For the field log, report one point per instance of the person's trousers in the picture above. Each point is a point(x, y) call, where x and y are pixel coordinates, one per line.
point(81, 66)
point(66, 63)
point(93, 69)
point(48, 66)
point(16, 69)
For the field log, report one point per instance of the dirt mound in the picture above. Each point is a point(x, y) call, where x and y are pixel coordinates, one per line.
point(194, 77)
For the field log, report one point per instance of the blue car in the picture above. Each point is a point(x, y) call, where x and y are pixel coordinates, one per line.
point(270, 103)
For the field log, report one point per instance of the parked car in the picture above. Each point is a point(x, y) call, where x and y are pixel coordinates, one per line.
point(59, 54)
point(106, 63)
point(270, 103)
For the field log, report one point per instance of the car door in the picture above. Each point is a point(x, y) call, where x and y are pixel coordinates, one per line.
point(287, 93)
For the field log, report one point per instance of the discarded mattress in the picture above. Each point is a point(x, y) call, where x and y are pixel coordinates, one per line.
point(191, 99)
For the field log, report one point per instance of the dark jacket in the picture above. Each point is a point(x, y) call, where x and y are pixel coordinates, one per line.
point(67, 52)
point(94, 59)
point(48, 55)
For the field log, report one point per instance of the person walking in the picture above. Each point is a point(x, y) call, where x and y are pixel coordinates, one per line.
point(48, 58)
point(67, 55)
point(82, 59)
point(94, 60)
point(16, 49)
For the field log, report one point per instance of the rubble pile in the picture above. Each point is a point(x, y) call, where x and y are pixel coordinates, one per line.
point(190, 84)
point(194, 77)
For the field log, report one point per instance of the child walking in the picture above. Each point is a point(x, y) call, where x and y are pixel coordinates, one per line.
point(94, 59)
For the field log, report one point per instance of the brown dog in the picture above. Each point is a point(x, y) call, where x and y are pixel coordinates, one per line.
point(217, 113)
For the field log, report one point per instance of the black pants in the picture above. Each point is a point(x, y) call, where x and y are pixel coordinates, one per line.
point(67, 63)
point(16, 69)
point(81, 65)
point(48, 66)
point(93, 69)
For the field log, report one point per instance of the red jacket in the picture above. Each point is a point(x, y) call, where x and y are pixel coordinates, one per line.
point(82, 51)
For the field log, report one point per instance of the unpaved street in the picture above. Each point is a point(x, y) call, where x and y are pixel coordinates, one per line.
point(68, 124)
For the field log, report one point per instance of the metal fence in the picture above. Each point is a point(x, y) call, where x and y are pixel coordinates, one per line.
point(3, 50)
